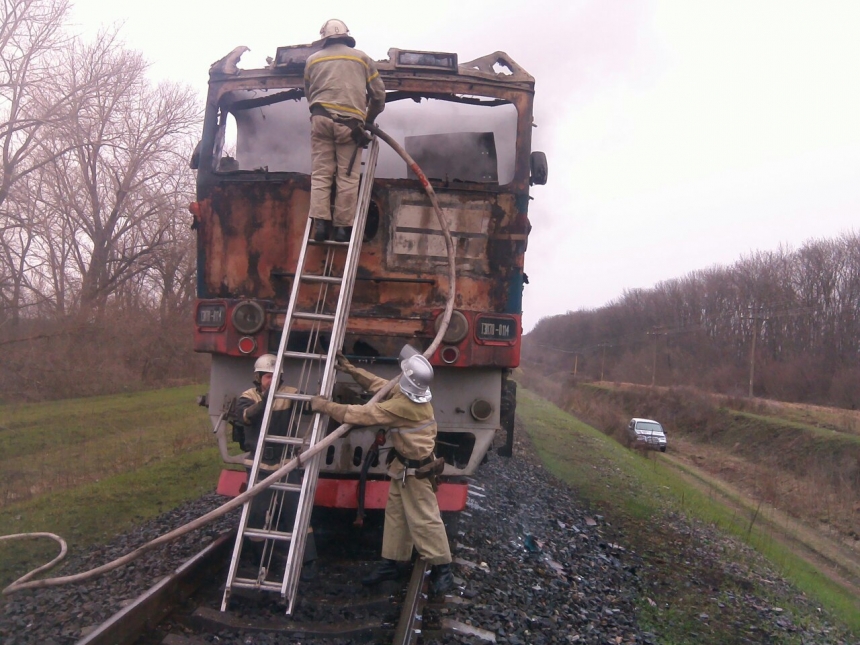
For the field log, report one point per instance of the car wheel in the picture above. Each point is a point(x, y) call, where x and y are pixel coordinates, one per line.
point(662, 448)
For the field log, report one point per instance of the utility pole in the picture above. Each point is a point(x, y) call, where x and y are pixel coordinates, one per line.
point(602, 360)
point(752, 354)
point(575, 363)
point(757, 316)
point(655, 333)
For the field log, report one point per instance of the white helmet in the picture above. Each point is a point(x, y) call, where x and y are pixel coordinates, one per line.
point(335, 28)
point(266, 364)
point(417, 375)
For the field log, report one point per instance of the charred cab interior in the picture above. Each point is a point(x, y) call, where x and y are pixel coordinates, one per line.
point(454, 138)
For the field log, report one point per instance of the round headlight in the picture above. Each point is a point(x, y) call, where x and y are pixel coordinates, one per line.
point(481, 409)
point(248, 317)
point(457, 328)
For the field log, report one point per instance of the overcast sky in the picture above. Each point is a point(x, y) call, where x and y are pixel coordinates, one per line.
point(680, 134)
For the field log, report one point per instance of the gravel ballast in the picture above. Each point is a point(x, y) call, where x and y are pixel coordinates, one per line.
point(533, 566)
point(63, 615)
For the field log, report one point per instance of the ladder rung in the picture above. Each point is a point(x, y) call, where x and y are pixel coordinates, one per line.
point(284, 441)
point(287, 487)
point(293, 396)
point(307, 315)
point(328, 279)
point(268, 535)
point(250, 583)
point(305, 356)
point(336, 324)
point(327, 243)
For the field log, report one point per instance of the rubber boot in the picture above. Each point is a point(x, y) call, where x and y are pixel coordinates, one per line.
point(309, 567)
point(252, 551)
point(441, 579)
point(309, 571)
point(321, 227)
point(343, 233)
point(385, 570)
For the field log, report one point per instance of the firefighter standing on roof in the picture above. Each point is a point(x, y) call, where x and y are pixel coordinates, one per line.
point(412, 511)
point(344, 91)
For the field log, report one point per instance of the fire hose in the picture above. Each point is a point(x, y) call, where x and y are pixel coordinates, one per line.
point(26, 582)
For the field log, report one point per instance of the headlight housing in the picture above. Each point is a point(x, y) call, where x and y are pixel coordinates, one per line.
point(457, 330)
point(248, 317)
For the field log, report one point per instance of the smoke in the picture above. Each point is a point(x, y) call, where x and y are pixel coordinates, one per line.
point(406, 119)
point(277, 137)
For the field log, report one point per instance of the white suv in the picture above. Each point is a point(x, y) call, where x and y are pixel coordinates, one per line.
point(647, 433)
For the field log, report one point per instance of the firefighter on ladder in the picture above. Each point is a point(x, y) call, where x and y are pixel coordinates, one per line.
point(344, 91)
point(249, 416)
point(412, 512)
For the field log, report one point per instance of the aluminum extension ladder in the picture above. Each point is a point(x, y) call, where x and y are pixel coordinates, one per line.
point(316, 376)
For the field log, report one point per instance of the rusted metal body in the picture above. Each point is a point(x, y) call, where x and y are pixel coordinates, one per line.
point(472, 126)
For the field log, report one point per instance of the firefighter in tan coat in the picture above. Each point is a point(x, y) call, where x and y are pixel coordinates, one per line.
point(249, 411)
point(344, 91)
point(412, 512)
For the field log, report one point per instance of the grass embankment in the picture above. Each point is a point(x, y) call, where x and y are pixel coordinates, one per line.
point(89, 469)
point(802, 460)
point(685, 579)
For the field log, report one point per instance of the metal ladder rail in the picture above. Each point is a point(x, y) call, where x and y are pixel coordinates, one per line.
point(310, 363)
point(281, 490)
point(309, 481)
point(232, 578)
point(325, 282)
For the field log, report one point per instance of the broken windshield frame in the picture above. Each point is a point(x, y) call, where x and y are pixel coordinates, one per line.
point(454, 137)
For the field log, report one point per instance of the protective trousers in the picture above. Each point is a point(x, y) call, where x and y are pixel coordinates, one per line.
point(332, 148)
point(412, 517)
point(261, 506)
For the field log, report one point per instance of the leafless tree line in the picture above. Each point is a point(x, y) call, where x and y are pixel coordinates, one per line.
point(782, 324)
point(96, 254)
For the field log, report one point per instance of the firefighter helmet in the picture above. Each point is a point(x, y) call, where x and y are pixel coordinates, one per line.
point(417, 375)
point(335, 29)
point(265, 364)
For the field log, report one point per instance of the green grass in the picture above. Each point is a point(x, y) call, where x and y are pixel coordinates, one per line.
point(96, 512)
point(635, 492)
point(61, 444)
point(89, 469)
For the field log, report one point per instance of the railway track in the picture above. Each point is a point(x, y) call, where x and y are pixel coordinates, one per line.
point(183, 608)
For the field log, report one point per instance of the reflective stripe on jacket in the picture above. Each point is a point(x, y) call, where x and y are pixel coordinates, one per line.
point(345, 82)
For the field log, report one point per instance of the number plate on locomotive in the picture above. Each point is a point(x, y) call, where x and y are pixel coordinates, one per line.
point(503, 329)
point(211, 315)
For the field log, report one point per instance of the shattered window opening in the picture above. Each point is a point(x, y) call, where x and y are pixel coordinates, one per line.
point(460, 137)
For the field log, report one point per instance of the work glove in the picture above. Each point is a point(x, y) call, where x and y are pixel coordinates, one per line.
point(232, 412)
point(343, 364)
point(255, 412)
point(360, 136)
point(319, 403)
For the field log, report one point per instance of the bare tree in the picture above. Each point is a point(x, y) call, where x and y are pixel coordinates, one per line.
point(115, 188)
point(31, 37)
point(790, 315)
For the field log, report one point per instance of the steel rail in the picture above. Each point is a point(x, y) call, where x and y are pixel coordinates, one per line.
point(408, 627)
point(125, 626)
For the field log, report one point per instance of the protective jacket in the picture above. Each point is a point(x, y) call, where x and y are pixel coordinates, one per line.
point(280, 416)
point(259, 516)
point(412, 427)
point(345, 82)
point(412, 512)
